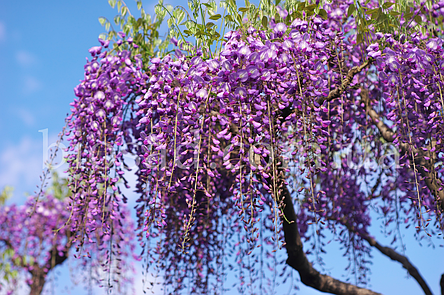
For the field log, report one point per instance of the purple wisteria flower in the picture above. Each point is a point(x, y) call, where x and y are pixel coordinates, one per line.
point(391, 59)
point(253, 72)
point(244, 51)
point(202, 94)
point(435, 44)
point(280, 29)
point(242, 75)
point(283, 13)
point(95, 50)
point(241, 91)
point(260, 92)
point(373, 50)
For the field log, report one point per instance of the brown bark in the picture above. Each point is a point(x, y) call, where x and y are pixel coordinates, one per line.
point(345, 83)
point(441, 283)
point(298, 260)
point(393, 255)
point(426, 168)
point(38, 280)
point(38, 275)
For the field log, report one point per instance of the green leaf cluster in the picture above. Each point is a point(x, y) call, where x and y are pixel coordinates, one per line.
point(392, 16)
point(143, 29)
point(59, 187)
point(6, 194)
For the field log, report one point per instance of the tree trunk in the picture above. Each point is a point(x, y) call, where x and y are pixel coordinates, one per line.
point(38, 280)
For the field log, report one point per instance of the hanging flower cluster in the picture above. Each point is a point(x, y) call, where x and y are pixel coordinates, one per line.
point(95, 131)
point(219, 137)
point(41, 238)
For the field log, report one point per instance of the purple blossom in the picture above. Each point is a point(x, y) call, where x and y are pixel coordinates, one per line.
point(283, 13)
point(95, 50)
point(253, 72)
point(241, 91)
point(202, 94)
point(280, 29)
point(261, 91)
point(244, 51)
point(242, 75)
point(373, 50)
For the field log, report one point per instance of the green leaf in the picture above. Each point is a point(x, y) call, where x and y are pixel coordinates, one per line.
point(170, 22)
point(310, 12)
point(102, 20)
point(387, 5)
point(265, 21)
point(322, 13)
point(358, 38)
point(310, 7)
point(371, 11)
point(408, 16)
point(112, 3)
point(180, 16)
point(127, 29)
point(107, 25)
point(296, 14)
point(301, 6)
point(124, 11)
point(210, 24)
point(394, 13)
point(117, 19)
point(229, 18)
point(351, 9)
point(417, 19)
point(243, 9)
point(9, 252)
point(376, 14)
point(139, 5)
point(215, 17)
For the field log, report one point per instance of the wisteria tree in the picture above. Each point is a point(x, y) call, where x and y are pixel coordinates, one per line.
point(261, 128)
point(37, 237)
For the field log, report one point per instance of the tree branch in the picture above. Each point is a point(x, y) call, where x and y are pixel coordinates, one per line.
point(441, 283)
point(335, 93)
point(425, 167)
point(38, 280)
point(392, 254)
point(298, 260)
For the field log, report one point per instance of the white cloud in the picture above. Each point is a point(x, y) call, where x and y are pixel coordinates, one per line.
point(2, 32)
point(25, 58)
point(31, 85)
point(21, 165)
point(26, 116)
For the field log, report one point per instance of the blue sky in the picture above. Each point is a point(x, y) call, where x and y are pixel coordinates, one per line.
point(43, 45)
